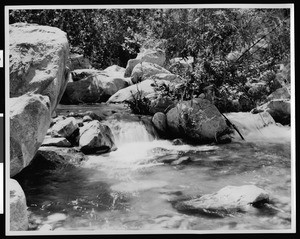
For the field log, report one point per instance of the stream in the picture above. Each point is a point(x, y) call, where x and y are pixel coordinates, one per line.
point(131, 189)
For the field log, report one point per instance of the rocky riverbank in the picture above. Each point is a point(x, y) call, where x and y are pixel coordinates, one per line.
point(45, 135)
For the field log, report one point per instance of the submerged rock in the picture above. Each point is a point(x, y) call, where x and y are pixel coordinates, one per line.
point(18, 207)
point(228, 200)
point(196, 119)
point(141, 185)
point(181, 160)
point(38, 77)
point(96, 138)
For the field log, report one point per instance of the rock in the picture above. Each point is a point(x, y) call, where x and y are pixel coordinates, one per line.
point(146, 88)
point(56, 217)
point(181, 160)
point(87, 118)
point(145, 70)
point(247, 122)
point(38, 77)
point(93, 89)
point(160, 121)
point(228, 200)
point(96, 138)
point(156, 56)
point(161, 104)
point(81, 74)
point(196, 119)
point(281, 93)
point(280, 110)
point(18, 207)
point(48, 159)
point(224, 139)
point(115, 69)
point(58, 142)
point(29, 122)
point(64, 128)
point(177, 142)
point(38, 61)
point(167, 159)
point(79, 62)
point(57, 119)
point(45, 227)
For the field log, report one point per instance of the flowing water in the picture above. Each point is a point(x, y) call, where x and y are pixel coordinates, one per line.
point(131, 189)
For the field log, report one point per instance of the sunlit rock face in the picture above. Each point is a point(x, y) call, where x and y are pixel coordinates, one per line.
point(38, 76)
point(156, 56)
point(18, 207)
point(96, 138)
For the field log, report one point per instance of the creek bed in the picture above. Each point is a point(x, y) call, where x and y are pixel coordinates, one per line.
point(130, 189)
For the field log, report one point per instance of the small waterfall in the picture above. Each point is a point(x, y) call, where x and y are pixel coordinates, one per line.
point(129, 132)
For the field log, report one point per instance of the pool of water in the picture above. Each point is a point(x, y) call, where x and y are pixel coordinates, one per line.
point(131, 189)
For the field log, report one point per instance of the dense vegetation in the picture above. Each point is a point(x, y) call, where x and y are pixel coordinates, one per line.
point(237, 51)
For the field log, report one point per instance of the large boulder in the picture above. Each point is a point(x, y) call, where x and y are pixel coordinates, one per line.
point(228, 200)
point(38, 61)
point(96, 138)
point(247, 122)
point(281, 93)
point(196, 119)
point(114, 70)
point(279, 109)
point(93, 89)
point(29, 122)
point(38, 77)
point(144, 70)
point(18, 207)
point(156, 56)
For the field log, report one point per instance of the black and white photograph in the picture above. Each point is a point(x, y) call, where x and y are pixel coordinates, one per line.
point(150, 119)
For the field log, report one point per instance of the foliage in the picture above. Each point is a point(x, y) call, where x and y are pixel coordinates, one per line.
point(231, 49)
point(139, 103)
